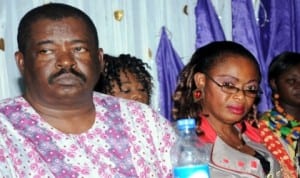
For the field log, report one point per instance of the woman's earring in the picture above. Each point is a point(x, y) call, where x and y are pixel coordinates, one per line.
point(254, 116)
point(197, 95)
point(276, 97)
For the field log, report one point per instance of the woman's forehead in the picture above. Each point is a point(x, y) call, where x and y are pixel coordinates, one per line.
point(235, 65)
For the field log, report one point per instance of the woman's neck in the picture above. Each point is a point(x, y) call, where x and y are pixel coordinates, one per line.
point(290, 112)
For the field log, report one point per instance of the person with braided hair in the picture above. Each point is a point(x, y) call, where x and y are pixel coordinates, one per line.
point(126, 77)
point(218, 87)
point(280, 126)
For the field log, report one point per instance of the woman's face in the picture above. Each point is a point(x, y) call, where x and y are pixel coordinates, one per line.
point(288, 87)
point(233, 71)
point(130, 88)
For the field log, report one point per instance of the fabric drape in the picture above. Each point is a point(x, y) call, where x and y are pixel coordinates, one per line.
point(208, 27)
point(169, 65)
point(245, 31)
point(280, 29)
point(282, 32)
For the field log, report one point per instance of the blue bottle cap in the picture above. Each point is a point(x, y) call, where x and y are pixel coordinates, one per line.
point(186, 123)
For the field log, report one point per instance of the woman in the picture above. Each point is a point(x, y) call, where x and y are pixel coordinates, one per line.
point(219, 87)
point(280, 126)
point(126, 77)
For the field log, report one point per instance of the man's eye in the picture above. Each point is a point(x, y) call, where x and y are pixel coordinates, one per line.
point(45, 51)
point(80, 49)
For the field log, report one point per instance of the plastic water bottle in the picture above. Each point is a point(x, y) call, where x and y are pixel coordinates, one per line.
point(189, 156)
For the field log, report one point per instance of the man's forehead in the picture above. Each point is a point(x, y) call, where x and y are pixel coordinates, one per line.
point(59, 26)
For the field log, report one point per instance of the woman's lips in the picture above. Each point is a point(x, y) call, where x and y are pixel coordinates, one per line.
point(236, 109)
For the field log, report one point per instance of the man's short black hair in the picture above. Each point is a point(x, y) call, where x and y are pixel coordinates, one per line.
point(52, 11)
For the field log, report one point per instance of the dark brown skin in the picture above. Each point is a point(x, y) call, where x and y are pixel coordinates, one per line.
point(60, 67)
point(287, 85)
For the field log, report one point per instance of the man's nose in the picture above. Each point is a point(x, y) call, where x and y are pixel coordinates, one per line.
point(65, 60)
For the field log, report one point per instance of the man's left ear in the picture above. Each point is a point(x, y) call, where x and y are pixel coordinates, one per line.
point(199, 79)
point(19, 57)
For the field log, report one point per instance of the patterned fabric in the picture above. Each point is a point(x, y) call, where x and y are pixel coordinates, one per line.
point(128, 139)
point(287, 129)
point(280, 135)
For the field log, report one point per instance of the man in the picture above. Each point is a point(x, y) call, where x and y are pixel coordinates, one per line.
point(59, 127)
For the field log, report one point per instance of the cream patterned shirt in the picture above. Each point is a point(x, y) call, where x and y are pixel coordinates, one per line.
point(127, 139)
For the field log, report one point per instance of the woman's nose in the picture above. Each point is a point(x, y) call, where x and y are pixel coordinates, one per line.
point(241, 95)
point(136, 97)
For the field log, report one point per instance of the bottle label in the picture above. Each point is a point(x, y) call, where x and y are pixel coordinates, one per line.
point(194, 171)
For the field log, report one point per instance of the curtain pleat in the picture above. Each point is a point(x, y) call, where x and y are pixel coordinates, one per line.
point(169, 65)
point(208, 27)
point(245, 30)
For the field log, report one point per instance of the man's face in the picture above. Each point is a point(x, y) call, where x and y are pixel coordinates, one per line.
point(61, 60)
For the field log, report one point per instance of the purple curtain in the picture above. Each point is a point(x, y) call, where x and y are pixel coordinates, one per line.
point(245, 30)
point(168, 65)
point(297, 24)
point(208, 27)
point(280, 28)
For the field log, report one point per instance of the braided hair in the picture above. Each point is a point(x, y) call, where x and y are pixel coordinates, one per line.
point(124, 63)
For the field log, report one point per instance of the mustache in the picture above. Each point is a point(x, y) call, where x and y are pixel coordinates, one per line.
point(64, 71)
